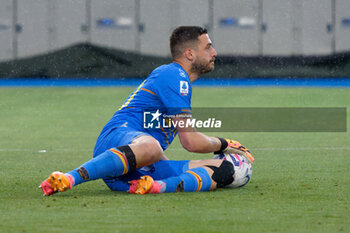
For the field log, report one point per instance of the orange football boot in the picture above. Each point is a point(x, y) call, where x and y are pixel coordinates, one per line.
point(57, 182)
point(144, 185)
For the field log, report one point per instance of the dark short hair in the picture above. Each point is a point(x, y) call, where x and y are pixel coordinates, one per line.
point(183, 35)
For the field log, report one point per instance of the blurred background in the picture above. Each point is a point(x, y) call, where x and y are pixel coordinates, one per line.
point(129, 38)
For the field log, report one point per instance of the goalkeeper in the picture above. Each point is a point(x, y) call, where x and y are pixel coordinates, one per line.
point(165, 176)
point(168, 89)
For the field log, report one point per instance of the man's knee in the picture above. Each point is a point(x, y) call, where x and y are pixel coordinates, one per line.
point(147, 150)
point(154, 148)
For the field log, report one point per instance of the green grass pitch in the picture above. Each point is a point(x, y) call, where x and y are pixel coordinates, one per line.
point(300, 182)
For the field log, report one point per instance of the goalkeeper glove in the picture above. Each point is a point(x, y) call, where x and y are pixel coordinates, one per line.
point(234, 147)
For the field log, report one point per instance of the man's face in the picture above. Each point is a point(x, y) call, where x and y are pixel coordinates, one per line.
point(204, 55)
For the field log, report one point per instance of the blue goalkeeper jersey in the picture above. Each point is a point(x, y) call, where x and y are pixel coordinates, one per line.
point(166, 91)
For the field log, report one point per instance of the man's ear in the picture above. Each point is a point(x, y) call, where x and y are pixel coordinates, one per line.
point(189, 54)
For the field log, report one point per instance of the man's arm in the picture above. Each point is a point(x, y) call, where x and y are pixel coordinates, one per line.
point(194, 141)
point(197, 142)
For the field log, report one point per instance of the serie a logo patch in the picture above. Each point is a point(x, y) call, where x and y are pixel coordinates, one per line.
point(184, 88)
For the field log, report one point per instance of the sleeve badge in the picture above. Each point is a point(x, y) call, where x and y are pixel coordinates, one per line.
point(184, 88)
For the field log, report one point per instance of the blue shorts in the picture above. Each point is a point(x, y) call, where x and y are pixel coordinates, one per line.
point(115, 137)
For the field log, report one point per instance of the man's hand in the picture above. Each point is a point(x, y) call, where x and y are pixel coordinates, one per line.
point(234, 147)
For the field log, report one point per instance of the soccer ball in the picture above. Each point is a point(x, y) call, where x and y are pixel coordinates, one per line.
point(243, 169)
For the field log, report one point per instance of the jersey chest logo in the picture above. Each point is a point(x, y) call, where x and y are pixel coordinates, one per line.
point(184, 89)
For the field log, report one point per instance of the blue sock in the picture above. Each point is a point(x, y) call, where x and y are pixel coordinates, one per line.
point(194, 180)
point(111, 163)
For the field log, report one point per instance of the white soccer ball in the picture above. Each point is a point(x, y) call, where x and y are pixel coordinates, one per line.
point(243, 169)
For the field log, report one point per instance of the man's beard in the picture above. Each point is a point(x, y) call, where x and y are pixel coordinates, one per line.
point(201, 67)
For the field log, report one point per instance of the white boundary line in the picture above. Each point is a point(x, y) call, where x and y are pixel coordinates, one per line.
point(301, 148)
point(177, 149)
point(42, 150)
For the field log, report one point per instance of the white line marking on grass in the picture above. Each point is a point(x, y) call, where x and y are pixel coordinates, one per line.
point(175, 149)
point(14, 150)
point(301, 148)
point(43, 151)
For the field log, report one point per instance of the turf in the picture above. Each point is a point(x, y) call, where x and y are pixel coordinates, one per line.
point(300, 181)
